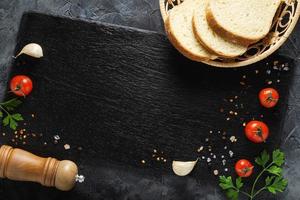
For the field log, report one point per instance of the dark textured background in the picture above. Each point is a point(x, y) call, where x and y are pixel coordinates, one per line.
point(145, 14)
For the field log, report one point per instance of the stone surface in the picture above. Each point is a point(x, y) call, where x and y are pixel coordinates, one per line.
point(145, 14)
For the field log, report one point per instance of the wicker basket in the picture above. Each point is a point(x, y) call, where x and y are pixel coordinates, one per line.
point(284, 22)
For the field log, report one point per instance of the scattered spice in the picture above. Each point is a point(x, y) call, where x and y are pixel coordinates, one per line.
point(56, 137)
point(67, 146)
point(233, 139)
point(223, 162)
point(200, 149)
point(216, 172)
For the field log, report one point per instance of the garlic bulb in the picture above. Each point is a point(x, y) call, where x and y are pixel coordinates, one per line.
point(33, 50)
point(181, 168)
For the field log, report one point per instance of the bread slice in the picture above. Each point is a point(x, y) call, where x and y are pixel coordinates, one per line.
point(242, 21)
point(180, 32)
point(210, 39)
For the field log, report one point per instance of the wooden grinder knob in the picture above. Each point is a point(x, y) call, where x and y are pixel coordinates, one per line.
point(20, 165)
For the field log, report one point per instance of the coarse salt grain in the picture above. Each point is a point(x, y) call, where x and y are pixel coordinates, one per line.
point(200, 149)
point(224, 162)
point(233, 139)
point(67, 146)
point(230, 153)
point(208, 160)
point(216, 172)
point(226, 169)
point(56, 137)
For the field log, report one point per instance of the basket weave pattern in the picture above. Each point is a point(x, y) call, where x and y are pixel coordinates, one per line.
point(284, 22)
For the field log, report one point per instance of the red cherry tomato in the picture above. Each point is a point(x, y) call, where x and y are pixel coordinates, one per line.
point(21, 85)
point(243, 168)
point(268, 97)
point(257, 131)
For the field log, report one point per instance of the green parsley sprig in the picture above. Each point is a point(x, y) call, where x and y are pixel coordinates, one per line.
point(10, 119)
point(274, 182)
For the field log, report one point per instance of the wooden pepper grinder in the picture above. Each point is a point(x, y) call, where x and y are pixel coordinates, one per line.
point(20, 165)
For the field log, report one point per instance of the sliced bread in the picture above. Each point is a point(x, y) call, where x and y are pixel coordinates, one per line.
point(180, 32)
point(212, 41)
point(242, 21)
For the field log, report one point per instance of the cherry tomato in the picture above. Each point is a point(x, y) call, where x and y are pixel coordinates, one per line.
point(21, 85)
point(257, 131)
point(243, 168)
point(268, 97)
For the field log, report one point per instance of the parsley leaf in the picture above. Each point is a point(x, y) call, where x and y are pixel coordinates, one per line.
point(232, 194)
point(274, 183)
point(232, 191)
point(275, 170)
point(278, 185)
point(269, 180)
point(278, 157)
point(226, 183)
point(10, 119)
point(239, 183)
point(12, 104)
point(17, 117)
point(263, 159)
point(12, 123)
point(6, 120)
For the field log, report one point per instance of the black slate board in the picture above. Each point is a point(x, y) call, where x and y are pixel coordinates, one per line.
point(119, 93)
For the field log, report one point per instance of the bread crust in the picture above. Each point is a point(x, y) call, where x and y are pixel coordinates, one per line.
point(199, 38)
point(181, 48)
point(227, 34)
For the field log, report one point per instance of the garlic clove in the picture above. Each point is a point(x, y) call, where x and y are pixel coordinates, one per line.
point(181, 168)
point(33, 50)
